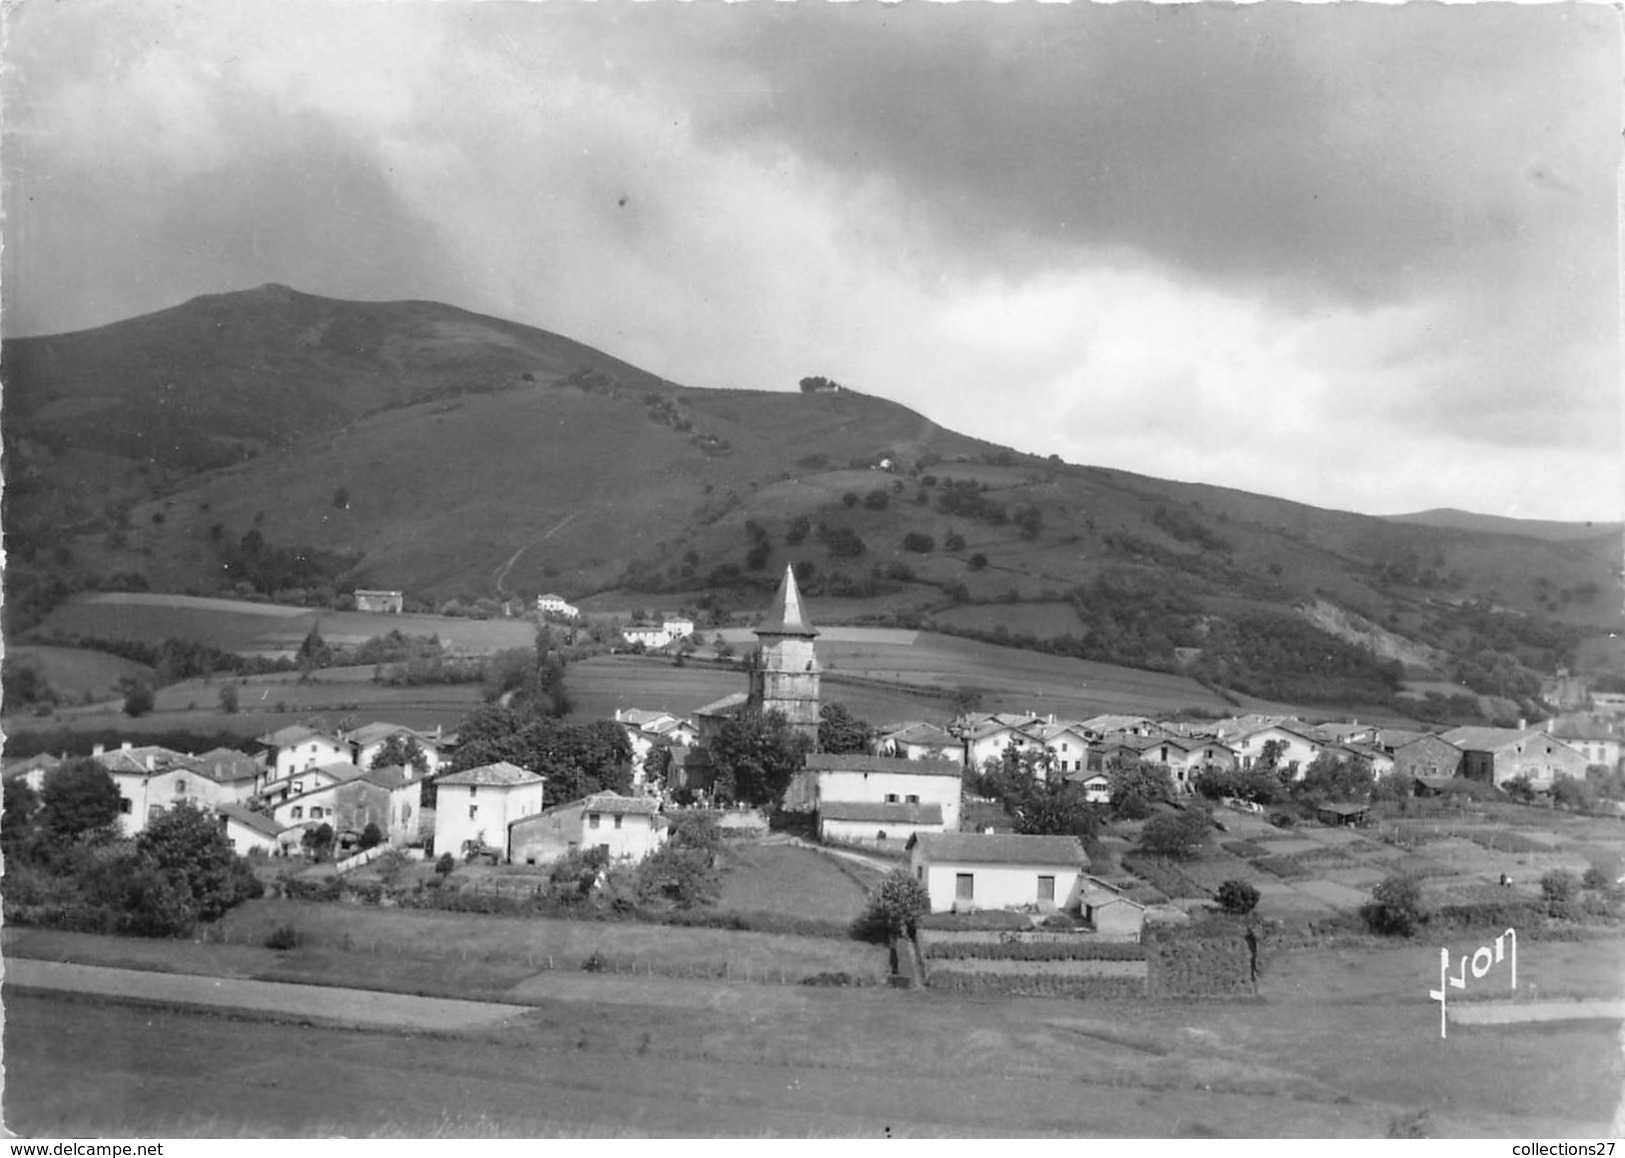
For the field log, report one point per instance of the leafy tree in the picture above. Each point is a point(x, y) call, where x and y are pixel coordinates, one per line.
point(895, 907)
point(319, 840)
point(1029, 520)
point(139, 698)
point(1269, 758)
point(954, 542)
point(1329, 777)
point(1136, 784)
point(228, 699)
point(1559, 885)
point(839, 731)
point(800, 527)
point(17, 824)
point(877, 499)
point(401, 751)
point(755, 755)
point(1237, 897)
point(850, 498)
point(679, 873)
point(189, 848)
point(978, 561)
point(1569, 792)
point(1176, 834)
point(445, 865)
point(1054, 808)
point(78, 797)
point(1395, 908)
point(371, 836)
point(919, 542)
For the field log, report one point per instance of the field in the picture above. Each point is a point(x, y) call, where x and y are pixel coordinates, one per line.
point(1343, 1044)
point(1311, 871)
point(760, 876)
point(76, 672)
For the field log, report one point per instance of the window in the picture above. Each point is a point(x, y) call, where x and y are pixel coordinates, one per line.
point(473, 811)
point(298, 812)
point(964, 886)
point(592, 820)
point(473, 789)
point(1046, 889)
point(124, 805)
point(154, 810)
point(180, 788)
point(913, 799)
point(617, 820)
point(298, 787)
point(881, 835)
point(919, 872)
point(891, 798)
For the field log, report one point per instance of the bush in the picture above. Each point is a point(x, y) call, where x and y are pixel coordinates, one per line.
point(1083, 947)
point(990, 919)
point(1237, 897)
point(1395, 908)
point(919, 542)
point(1559, 885)
point(282, 937)
point(1599, 879)
point(895, 908)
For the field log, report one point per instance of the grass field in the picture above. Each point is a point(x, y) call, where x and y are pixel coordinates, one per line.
point(76, 671)
point(759, 877)
point(1343, 1044)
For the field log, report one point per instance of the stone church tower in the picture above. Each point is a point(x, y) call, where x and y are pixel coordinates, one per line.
point(784, 677)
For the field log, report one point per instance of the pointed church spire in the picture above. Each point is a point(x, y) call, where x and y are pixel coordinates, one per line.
point(787, 617)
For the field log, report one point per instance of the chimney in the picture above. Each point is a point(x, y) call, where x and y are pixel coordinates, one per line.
point(97, 750)
point(126, 746)
point(152, 762)
point(1523, 724)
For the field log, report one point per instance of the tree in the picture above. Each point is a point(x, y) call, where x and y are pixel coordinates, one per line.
point(1136, 784)
point(139, 698)
point(978, 561)
point(78, 797)
point(319, 840)
point(1176, 834)
point(839, 731)
point(1570, 792)
point(400, 751)
point(1330, 778)
point(1270, 756)
point(919, 542)
point(895, 907)
point(371, 836)
point(1395, 908)
point(954, 542)
point(313, 651)
point(17, 824)
point(189, 848)
point(1054, 809)
point(445, 865)
point(755, 755)
point(679, 873)
point(1237, 897)
point(1029, 520)
point(228, 699)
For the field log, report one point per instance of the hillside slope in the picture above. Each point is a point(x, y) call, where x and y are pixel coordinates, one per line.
point(273, 440)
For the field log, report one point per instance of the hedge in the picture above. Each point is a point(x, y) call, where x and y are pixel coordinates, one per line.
point(1083, 949)
point(986, 919)
point(1037, 985)
point(1502, 840)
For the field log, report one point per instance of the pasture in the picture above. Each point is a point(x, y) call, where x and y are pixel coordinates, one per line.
point(620, 1057)
point(77, 672)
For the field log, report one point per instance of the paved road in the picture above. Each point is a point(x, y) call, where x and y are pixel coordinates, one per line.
point(319, 1003)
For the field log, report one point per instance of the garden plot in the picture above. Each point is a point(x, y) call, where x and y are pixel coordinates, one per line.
point(1280, 901)
point(1358, 877)
point(1336, 895)
point(1289, 845)
point(1064, 968)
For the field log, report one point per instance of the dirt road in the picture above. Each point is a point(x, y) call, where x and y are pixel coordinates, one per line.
point(348, 1007)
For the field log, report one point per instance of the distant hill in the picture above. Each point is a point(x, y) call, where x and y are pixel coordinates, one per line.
point(1449, 517)
point(274, 440)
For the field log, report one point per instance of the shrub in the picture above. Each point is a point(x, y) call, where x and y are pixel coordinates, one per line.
point(990, 919)
point(282, 937)
point(1395, 908)
point(895, 908)
point(1237, 897)
point(839, 980)
point(445, 864)
point(1283, 820)
point(919, 542)
point(1598, 879)
point(1559, 885)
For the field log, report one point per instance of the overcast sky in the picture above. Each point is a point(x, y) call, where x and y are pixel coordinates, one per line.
point(1360, 256)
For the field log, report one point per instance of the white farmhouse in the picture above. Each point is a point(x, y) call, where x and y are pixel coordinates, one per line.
point(622, 827)
point(477, 806)
point(551, 604)
point(964, 871)
point(294, 748)
point(827, 779)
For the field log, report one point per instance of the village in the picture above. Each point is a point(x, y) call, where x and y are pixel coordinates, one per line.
point(907, 792)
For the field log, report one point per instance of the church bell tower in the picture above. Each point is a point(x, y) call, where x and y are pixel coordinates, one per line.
point(785, 675)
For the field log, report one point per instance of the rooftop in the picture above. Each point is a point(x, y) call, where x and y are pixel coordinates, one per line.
point(892, 765)
point(614, 802)
point(880, 813)
point(258, 821)
point(1000, 848)
point(787, 616)
point(501, 774)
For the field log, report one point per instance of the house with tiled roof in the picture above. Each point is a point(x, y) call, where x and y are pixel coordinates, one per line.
point(477, 806)
point(1427, 755)
point(305, 780)
point(964, 871)
point(31, 770)
point(865, 822)
point(646, 730)
point(1097, 786)
point(250, 831)
point(367, 741)
point(1067, 744)
point(622, 827)
point(296, 748)
point(1599, 738)
point(1110, 725)
point(1497, 755)
point(851, 778)
point(919, 740)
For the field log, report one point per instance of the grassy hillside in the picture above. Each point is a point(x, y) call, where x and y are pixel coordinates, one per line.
point(277, 442)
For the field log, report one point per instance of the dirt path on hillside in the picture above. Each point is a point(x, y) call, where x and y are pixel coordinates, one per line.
point(350, 1007)
point(500, 576)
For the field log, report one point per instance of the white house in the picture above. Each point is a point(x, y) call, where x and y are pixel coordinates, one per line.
point(1097, 786)
point(963, 871)
point(296, 747)
point(1185, 758)
point(991, 737)
point(678, 626)
point(1066, 742)
point(248, 830)
point(1294, 750)
point(306, 780)
point(368, 740)
point(827, 778)
point(384, 602)
point(551, 604)
point(920, 741)
point(862, 822)
point(32, 771)
point(1108, 725)
point(650, 635)
point(623, 827)
point(645, 729)
point(478, 805)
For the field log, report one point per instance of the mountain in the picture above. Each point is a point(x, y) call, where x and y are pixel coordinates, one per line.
point(273, 439)
point(1451, 519)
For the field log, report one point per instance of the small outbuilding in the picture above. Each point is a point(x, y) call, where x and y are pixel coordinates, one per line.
point(964, 871)
point(1110, 912)
point(1342, 814)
